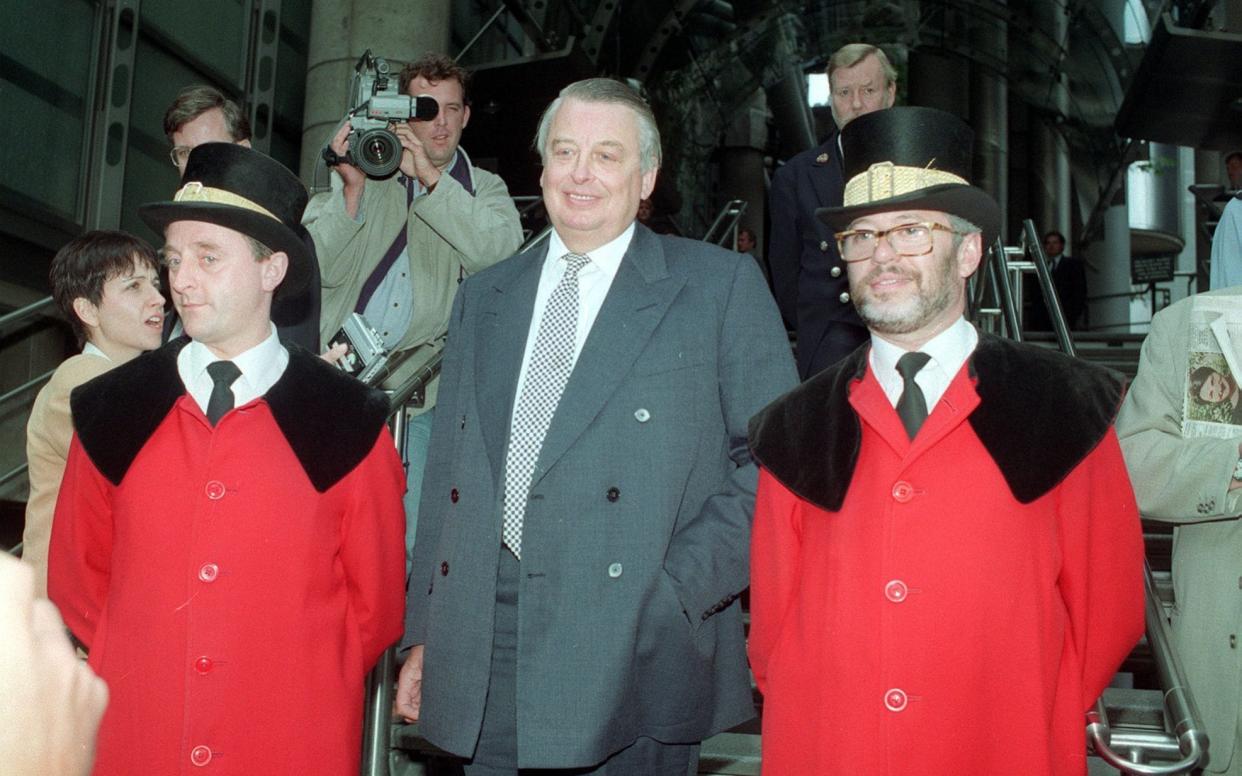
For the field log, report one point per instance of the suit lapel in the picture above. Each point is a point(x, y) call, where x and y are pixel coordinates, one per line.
point(504, 321)
point(639, 297)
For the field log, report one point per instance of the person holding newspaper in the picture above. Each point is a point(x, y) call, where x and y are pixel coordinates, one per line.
point(1186, 465)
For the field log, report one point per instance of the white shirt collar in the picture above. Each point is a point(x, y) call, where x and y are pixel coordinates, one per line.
point(607, 256)
point(261, 366)
point(948, 350)
point(89, 349)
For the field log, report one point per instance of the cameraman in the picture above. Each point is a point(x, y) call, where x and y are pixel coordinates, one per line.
point(395, 249)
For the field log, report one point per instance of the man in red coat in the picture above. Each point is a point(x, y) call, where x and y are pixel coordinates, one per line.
point(228, 537)
point(946, 557)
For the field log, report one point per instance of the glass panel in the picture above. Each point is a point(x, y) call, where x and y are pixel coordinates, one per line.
point(46, 63)
point(213, 33)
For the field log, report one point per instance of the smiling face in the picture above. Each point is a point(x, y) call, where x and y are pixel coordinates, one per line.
point(441, 135)
point(129, 318)
point(908, 300)
point(592, 178)
point(859, 90)
point(221, 292)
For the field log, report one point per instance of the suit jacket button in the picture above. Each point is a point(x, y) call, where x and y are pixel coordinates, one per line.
point(835, 272)
point(613, 494)
point(823, 245)
point(844, 297)
point(444, 568)
point(453, 495)
point(614, 570)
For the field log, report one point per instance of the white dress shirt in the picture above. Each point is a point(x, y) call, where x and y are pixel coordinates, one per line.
point(594, 280)
point(261, 367)
point(948, 350)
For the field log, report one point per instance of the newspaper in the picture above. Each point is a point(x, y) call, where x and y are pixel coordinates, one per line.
point(1212, 402)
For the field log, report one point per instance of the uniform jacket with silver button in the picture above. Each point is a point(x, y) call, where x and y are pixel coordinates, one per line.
point(637, 530)
point(1186, 482)
point(951, 604)
point(233, 584)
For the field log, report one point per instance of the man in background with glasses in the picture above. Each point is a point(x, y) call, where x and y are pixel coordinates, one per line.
point(944, 528)
point(202, 114)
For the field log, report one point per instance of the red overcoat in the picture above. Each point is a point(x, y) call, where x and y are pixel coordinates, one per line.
point(232, 604)
point(932, 622)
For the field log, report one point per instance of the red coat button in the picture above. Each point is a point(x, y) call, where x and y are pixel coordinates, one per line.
point(895, 700)
point(203, 665)
point(215, 490)
point(896, 591)
point(208, 572)
point(903, 492)
point(200, 756)
point(453, 495)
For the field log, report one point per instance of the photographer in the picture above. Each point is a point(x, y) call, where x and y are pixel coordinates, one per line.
point(395, 249)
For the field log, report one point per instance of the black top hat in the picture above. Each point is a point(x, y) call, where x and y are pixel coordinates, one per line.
point(917, 158)
point(245, 190)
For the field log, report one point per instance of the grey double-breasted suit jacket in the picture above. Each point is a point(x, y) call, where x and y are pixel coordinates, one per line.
point(1185, 482)
point(636, 534)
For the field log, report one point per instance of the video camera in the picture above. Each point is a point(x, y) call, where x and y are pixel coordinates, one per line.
point(377, 102)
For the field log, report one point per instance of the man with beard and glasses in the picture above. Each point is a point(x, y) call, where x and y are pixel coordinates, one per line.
point(944, 524)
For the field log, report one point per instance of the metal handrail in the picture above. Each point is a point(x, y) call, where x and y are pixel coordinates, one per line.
point(29, 311)
point(999, 270)
point(726, 223)
point(1051, 300)
point(1187, 737)
point(26, 387)
point(378, 700)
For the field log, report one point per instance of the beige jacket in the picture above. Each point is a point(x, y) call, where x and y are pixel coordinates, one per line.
point(452, 234)
point(48, 433)
point(1186, 482)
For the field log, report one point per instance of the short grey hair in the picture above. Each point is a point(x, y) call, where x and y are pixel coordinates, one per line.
point(853, 53)
point(961, 229)
point(607, 90)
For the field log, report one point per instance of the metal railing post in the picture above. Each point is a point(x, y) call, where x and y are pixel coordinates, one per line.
point(1051, 300)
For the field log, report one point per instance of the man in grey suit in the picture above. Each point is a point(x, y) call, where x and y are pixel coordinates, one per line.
point(586, 515)
point(1195, 482)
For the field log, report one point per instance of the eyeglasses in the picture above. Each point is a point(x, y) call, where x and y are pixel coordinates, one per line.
point(905, 240)
point(179, 154)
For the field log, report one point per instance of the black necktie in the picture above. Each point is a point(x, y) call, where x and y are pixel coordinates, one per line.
point(912, 407)
point(223, 373)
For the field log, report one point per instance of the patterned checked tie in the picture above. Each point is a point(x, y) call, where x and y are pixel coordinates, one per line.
point(222, 373)
point(912, 405)
point(551, 361)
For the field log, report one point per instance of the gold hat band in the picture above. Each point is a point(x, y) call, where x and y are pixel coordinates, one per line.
point(194, 191)
point(884, 180)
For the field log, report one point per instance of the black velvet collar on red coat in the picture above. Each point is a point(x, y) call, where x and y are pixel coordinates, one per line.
point(329, 419)
point(1040, 413)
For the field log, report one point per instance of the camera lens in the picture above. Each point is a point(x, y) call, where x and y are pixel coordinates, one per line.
point(376, 152)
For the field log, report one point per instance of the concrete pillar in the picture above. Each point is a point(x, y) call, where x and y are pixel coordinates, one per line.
point(1111, 256)
point(1188, 217)
point(341, 31)
point(1051, 191)
point(791, 114)
point(989, 114)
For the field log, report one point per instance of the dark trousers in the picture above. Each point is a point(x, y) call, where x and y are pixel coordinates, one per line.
point(496, 753)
